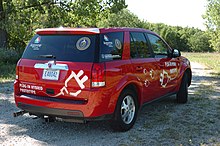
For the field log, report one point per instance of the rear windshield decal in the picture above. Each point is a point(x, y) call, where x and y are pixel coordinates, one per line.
point(37, 40)
point(118, 44)
point(110, 56)
point(107, 42)
point(106, 38)
point(83, 43)
point(35, 47)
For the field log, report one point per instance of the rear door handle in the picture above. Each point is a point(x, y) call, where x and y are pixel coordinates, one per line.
point(139, 68)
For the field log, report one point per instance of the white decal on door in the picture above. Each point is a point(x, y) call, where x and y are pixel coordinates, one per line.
point(165, 78)
point(170, 64)
point(151, 73)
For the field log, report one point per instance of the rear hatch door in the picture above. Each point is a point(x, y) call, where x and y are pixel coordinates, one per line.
point(57, 65)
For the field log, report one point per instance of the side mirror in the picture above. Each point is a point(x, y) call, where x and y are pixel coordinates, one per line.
point(176, 53)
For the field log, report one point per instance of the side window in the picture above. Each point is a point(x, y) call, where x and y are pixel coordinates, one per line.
point(160, 49)
point(138, 46)
point(111, 46)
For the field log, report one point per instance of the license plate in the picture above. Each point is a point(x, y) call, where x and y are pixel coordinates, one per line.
point(50, 74)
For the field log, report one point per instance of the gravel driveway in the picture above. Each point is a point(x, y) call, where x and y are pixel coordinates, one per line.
point(159, 123)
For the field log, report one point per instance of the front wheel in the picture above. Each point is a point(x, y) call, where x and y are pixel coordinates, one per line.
point(182, 94)
point(126, 111)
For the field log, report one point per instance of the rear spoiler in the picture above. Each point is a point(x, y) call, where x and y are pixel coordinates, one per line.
point(62, 30)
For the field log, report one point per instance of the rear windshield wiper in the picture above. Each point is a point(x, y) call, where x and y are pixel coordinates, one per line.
point(47, 56)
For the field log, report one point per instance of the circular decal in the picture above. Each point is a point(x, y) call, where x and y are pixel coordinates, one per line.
point(118, 44)
point(83, 43)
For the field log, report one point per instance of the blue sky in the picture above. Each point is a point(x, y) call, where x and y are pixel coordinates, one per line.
point(172, 12)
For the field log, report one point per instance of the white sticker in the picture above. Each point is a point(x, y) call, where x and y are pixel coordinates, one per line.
point(79, 79)
point(106, 38)
point(35, 47)
point(109, 44)
point(110, 56)
point(83, 43)
point(118, 44)
point(170, 64)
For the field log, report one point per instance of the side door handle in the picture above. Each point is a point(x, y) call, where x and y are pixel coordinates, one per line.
point(161, 65)
point(139, 68)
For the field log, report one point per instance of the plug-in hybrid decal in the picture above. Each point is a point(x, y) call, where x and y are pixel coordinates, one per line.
point(170, 64)
point(83, 43)
point(173, 70)
point(165, 78)
point(80, 82)
point(30, 89)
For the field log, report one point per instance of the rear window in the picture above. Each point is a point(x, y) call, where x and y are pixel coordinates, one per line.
point(111, 46)
point(74, 48)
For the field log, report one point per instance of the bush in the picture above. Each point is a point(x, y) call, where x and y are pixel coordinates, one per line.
point(9, 56)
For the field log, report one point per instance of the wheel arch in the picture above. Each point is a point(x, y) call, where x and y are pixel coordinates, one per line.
point(137, 91)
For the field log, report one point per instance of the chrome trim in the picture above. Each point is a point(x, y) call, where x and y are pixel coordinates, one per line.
point(53, 66)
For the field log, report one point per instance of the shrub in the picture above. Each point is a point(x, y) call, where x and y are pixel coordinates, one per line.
point(9, 56)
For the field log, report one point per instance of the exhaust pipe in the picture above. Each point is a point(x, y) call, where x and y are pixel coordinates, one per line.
point(19, 113)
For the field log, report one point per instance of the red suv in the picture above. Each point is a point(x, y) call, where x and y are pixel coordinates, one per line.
point(85, 74)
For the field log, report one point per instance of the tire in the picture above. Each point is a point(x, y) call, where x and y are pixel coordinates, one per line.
point(182, 94)
point(126, 111)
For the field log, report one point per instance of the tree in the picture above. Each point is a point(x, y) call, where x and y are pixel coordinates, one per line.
point(199, 42)
point(20, 18)
point(212, 18)
point(91, 12)
point(123, 18)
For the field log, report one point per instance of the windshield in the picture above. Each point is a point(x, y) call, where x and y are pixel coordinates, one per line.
point(73, 48)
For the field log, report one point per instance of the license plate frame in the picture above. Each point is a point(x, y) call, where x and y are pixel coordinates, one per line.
point(49, 74)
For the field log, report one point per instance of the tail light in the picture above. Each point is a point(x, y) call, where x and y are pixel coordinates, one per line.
point(17, 72)
point(16, 82)
point(98, 75)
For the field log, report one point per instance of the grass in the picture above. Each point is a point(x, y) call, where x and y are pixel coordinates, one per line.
point(210, 60)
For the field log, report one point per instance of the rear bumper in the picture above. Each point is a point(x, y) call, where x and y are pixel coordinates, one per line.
point(60, 113)
point(64, 108)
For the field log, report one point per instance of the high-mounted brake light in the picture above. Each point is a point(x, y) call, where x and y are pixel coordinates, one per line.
point(62, 30)
point(98, 75)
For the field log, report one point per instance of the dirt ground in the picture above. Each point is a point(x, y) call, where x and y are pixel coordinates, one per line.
point(161, 123)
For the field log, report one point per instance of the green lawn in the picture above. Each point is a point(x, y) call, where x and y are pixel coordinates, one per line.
point(210, 60)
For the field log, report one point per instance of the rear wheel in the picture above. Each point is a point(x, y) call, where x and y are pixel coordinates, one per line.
point(182, 95)
point(126, 111)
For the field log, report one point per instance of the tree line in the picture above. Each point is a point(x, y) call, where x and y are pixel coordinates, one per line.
point(19, 19)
